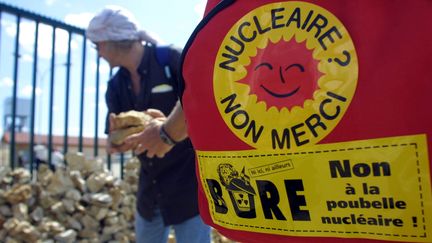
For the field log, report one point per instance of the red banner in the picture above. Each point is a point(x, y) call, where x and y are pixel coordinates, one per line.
point(324, 93)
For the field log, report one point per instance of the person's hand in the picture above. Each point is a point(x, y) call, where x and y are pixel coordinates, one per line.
point(113, 148)
point(155, 113)
point(149, 140)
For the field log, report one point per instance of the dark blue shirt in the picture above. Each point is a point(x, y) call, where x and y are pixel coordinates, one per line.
point(168, 183)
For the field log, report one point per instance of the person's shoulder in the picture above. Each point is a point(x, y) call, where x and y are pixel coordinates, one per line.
point(116, 78)
point(167, 53)
point(169, 48)
point(175, 48)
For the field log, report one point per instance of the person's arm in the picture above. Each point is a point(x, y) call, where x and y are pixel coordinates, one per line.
point(175, 124)
point(150, 139)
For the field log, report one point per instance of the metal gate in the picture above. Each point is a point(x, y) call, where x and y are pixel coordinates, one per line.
point(59, 76)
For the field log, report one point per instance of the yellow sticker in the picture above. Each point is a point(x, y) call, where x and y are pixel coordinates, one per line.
point(285, 75)
point(375, 189)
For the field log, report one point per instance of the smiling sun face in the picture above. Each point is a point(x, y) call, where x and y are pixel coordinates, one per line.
point(276, 84)
point(283, 75)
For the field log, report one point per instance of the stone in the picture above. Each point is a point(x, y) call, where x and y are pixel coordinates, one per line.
point(52, 227)
point(128, 213)
point(20, 211)
point(89, 234)
point(96, 182)
point(46, 200)
point(117, 137)
point(4, 172)
point(114, 220)
point(78, 181)
point(60, 182)
point(68, 236)
point(58, 208)
point(2, 198)
point(101, 199)
point(105, 237)
point(3, 232)
point(129, 119)
point(94, 165)
point(69, 205)
point(37, 214)
point(74, 223)
point(129, 200)
point(117, 195)
point(75, 161)
point(44, 174)
point(18, 193)
point(85, 205)
point(6, 211)
point(79, 208)
point(11, 240)
point(27, 232)
point(20, 176)
point(73, 194)
point(127, 123)
point(90, 222)
point(101, 214)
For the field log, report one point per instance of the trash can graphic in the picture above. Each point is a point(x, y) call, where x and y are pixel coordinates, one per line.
point(242, 196)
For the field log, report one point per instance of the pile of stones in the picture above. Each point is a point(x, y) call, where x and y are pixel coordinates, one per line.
point(82, 202)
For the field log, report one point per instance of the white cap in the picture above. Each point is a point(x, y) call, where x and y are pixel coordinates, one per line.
point(115, 23)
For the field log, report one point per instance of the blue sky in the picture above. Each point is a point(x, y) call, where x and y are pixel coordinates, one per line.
point(169, 21)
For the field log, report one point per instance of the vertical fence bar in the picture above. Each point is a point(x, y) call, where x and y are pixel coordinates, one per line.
point(68, 66)
point(80, 142)
point(14, 94)
point(122, 158)
point(109, 161)
point(33, 99)
point(97, 107)
point(51, 98)
point(122, 162)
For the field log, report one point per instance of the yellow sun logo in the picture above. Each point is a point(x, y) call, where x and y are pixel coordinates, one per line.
point(284, 75)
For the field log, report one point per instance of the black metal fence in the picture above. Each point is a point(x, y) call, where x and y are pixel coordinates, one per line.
point(68, 64)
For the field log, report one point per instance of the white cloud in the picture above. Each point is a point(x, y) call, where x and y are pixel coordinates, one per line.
point(73, 130)
point(6, 82)
point(45, 41)
point(103, 86)
point(90, 90)
point(26, 58)
point(10, 27)
point(27, 90)
point(50, 2)
point(80, 20)
point(27, 36)
point(56, 108)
